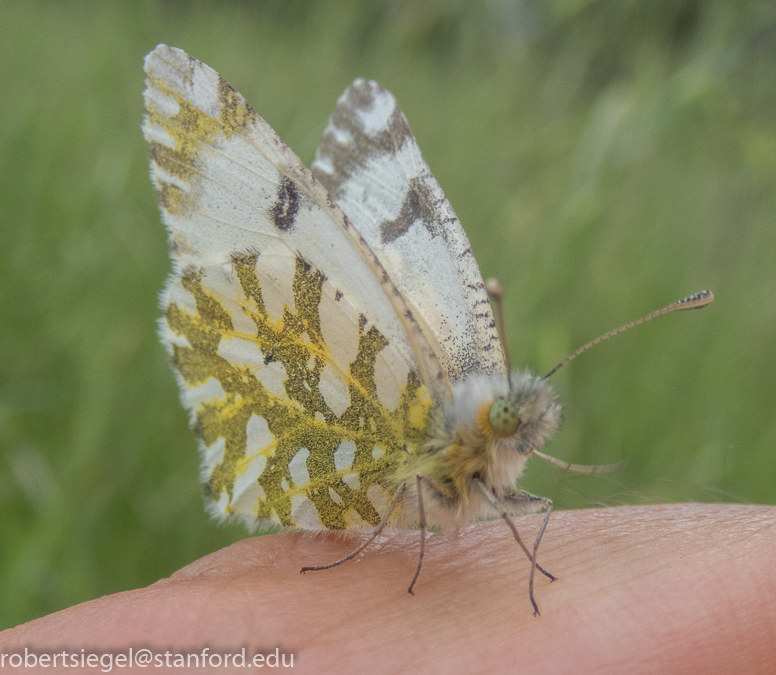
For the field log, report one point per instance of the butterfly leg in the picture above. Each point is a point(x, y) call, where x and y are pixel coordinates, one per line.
point(422, 519)
point(375, 533)
point(520, 500)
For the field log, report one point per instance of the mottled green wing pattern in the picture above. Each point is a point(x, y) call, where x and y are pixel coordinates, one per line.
point(288, 435)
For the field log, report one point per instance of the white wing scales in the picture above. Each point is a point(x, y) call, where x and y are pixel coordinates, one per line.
point(371, 164)
point(248, 191)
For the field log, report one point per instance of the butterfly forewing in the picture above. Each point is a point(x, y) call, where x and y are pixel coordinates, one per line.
point(370, 162)
point(303, 371)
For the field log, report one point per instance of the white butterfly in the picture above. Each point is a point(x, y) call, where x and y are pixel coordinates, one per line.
point(331, 331)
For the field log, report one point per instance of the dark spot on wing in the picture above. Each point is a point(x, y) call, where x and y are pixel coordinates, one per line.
point(418, 205)
point(345, 157)
point(284, 211)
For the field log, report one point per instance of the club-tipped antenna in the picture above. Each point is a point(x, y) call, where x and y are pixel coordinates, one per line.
point(496, 295)
point(695, 301)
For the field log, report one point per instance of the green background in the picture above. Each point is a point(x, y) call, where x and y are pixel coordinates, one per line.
point(605, 158)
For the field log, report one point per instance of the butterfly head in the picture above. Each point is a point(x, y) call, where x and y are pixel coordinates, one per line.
point(488, 431)
point(491, 417)
point(524, 416)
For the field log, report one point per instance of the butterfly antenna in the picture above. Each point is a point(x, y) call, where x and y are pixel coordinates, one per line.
point(496, 295)
point(581, 468)
point(695, 301)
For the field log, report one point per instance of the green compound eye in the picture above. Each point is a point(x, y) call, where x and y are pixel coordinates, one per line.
point(503, 418)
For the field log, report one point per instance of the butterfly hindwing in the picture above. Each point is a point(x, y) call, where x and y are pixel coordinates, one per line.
point(370, 162)
point(304, 372)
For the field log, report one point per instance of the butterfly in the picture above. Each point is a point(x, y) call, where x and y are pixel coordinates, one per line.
point(330, 329)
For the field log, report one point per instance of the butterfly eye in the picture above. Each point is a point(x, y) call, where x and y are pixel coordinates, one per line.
point(503, 418)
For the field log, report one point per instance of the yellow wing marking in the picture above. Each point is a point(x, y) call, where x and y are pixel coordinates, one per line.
point(300, 419)
point(191, 130)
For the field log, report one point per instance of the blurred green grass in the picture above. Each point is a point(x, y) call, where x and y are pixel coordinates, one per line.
point(605, 159)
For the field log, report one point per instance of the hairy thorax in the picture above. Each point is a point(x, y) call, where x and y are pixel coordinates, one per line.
point(465, 452)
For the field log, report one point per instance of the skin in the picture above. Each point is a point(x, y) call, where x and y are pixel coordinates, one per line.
point(684, 588)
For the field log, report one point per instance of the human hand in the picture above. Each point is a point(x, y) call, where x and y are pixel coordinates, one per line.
point(683, 588)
